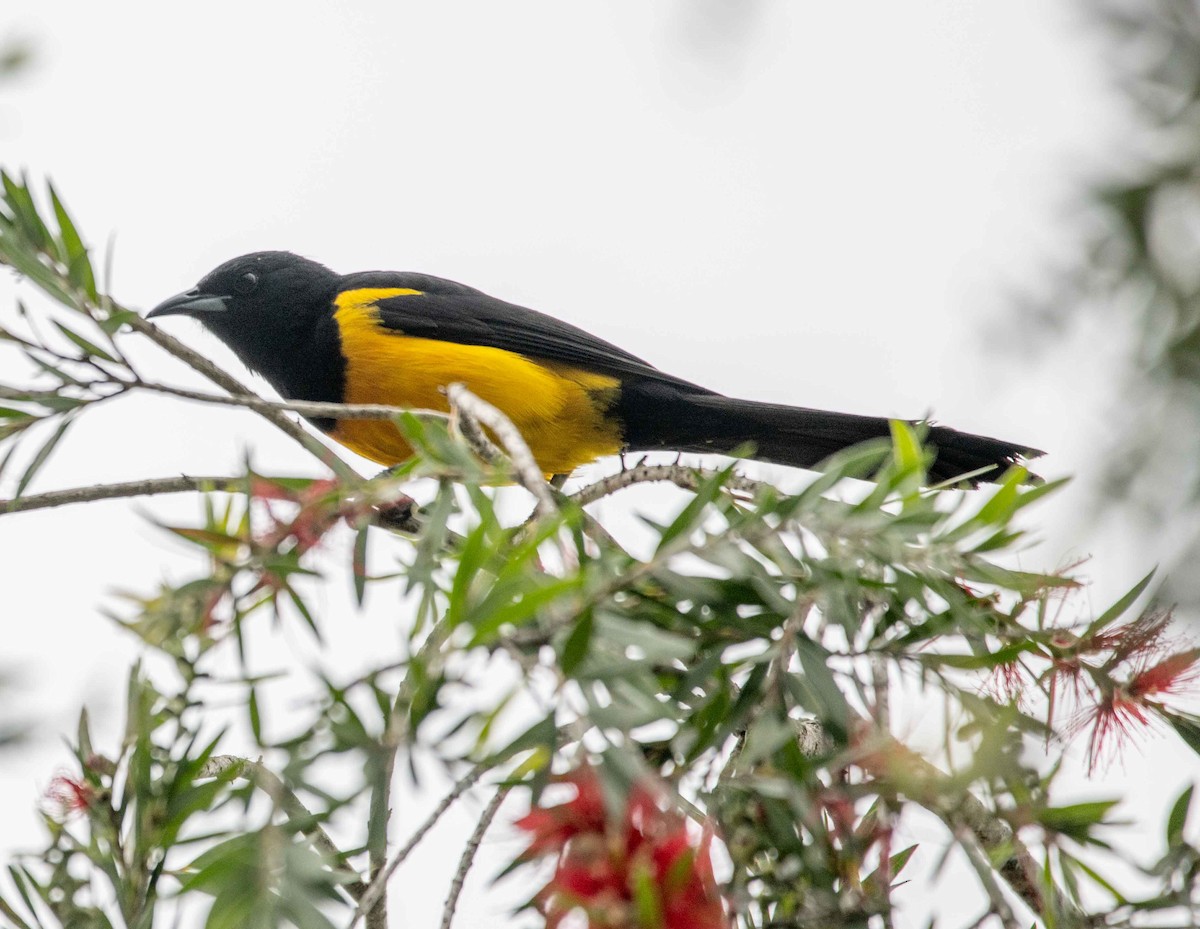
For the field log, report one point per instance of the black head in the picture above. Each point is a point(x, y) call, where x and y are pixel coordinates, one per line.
point(273, 309)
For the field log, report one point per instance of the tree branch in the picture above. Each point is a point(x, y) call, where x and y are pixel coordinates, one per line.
point(468, 855)
point(379, 882)
point(303, 407)
point(143, 488)
point(969, 842)
point(679, 475)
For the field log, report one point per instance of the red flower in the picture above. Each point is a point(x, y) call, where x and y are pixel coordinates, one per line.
point(1142, 637)
point(319, 510)
point(648, 871)
point(1167, 676)
point(553, 827)
point(1007, 682)
point(1125, 706)
point(69, 796)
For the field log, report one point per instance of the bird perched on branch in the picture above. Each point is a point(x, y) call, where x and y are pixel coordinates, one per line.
point(398, 338)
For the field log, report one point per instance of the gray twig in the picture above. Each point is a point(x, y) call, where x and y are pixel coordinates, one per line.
point(308, 408)
point(468, 855)
point(969, 843)
point(379, 881)
point(143, 488)
point(679, 475)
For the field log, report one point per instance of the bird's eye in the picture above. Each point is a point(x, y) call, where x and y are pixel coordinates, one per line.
point(246, 283)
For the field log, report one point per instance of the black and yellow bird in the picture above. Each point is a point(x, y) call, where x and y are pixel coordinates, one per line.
point(399, 338)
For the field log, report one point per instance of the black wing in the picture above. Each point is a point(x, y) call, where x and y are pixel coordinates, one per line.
point(456, 313)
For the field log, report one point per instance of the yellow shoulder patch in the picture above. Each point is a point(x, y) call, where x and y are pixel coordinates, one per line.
point(364, 298)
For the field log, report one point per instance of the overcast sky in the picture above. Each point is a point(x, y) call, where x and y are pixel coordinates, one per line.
point(828, 204)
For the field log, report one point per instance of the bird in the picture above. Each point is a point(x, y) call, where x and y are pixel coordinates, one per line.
point(400, 338)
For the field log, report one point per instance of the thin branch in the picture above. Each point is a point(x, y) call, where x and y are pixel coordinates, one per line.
point(142, 488)
point(475, 436)
point(379, 882)
point(528, 473)
point(308, 408)
point(679, 475)
point(882, 711)
point(468, 856)
point(271, 784)
point(969, 843)
point(379, 814)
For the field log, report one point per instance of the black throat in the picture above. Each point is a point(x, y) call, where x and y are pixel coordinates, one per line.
point(298, 349)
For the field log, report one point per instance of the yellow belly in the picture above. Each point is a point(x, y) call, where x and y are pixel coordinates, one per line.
point(561, 411)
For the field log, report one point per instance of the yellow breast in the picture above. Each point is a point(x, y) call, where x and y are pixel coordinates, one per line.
point(561, 411)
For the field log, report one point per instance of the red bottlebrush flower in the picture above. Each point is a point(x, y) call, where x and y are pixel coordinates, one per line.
point(1167, 676)
point(262, 489)
point(1126, 706)
point(69, 796)
point(319, 510)
point(1007, 682)
point(647, 871)
point(554, 826)
point(1111, 720)
point(1138, 639)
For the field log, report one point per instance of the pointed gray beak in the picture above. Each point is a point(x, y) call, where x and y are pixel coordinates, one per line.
point(192, 303)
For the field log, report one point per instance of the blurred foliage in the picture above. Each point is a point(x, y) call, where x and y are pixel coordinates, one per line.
point(1138, 275)
point(743, 665)
point(16, 55)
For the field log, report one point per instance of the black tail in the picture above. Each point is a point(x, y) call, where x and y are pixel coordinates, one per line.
point(660, 415)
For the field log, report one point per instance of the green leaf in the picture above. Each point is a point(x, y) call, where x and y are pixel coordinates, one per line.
point(1077, 819)
point(1003, 502)
point(19, 880)
point(471, 557)
point(358, 565)
point(691, 515)
point(1119, 898)
point(575, 646)
point(658, 645)
point(25, 212)
point(907, 451)
point(77, 261)
point(1187, 727)
point(543, 734)
point(1177, 820)
point(896, 864)
point(12, 915)
point(977, 662)
point(1118, 609)
point(43, 453)
point(255, 715)
point(87, 347)
point(83, 737)
point(489, 619)
point(822, 695)
point(115, 320)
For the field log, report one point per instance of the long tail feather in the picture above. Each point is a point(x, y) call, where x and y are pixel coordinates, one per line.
point(660, 416)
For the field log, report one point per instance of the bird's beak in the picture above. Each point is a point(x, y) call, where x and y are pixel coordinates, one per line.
point(191, 303)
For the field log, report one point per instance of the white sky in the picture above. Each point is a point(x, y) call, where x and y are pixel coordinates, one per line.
point(802, 202)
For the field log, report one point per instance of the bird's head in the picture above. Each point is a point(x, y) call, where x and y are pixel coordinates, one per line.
point(266, 306)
